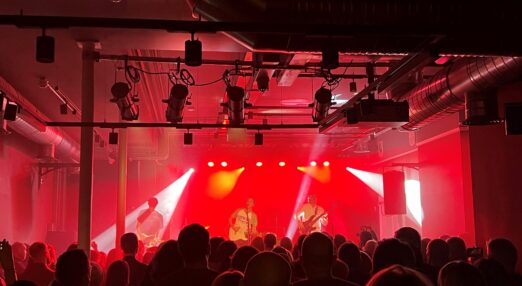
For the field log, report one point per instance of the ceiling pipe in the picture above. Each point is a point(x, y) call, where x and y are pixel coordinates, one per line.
point(29, 124)
point(445, 92)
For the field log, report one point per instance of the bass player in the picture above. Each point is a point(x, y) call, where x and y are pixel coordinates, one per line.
point(311, 217)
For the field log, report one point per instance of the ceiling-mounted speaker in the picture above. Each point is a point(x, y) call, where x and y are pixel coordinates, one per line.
point(258, 139)
point(45, 49)
point(187, 138)
point(330, 58)
point(193, 53)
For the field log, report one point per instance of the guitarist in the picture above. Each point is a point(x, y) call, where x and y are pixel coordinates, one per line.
point(243, 224)
point(311, 217)
point(149, 224)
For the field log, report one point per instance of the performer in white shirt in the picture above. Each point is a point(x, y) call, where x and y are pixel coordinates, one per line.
point(243, 224)
point(311, 217)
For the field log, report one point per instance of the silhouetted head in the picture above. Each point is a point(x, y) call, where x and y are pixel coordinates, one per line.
point(193, 243)
point(117, 274)
point(267, 269)
point(437, 253)
point(214, 244)
point(113, 255)
point(297, 248)
point(73, 269)
point(19, 251)
point(364, 236)
point(340, 270)
point(224, 255)
point(457, 249)
point(350, 254)
point(459, 273)
point(269, 241)
point(413, 239)
point(338, 241)
point(241, 257)
point(493, 272)
point(228, 278)
point(167, 260)
point(505, 252)
point(129, 243)
point(370, 246)
point(286, 242)
point(153, 203)
point(284, 253)
point(390, 252)
point(366, 264)
point(317, 255)
point(258, 243)
point(38, 252)
point(397, 275)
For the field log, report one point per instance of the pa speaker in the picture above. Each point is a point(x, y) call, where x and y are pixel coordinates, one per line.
point(394, 193)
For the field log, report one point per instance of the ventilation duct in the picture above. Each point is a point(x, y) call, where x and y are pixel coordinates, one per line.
point(445, 92)
point(32, 129)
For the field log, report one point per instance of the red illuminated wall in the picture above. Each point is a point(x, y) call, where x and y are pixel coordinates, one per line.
point(444, 193)
point(26, 210)
point(497, 187)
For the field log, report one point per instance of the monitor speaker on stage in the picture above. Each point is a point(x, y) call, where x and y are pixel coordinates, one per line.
point(394, 194)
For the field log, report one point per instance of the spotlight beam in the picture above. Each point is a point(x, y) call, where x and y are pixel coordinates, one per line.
point(168, 200)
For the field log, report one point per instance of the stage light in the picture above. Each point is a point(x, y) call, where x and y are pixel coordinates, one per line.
point(263, 81)
point(44, 48)
point(236, 104)
point(221, 183)
point(330, 57)
point(176, 103)
point(326, 164)
point(125, 101)
point(313, 163)
point(224, 164)
point(193, 52)
point(282, 164)
point(322, 103)
point(258, 139)
point(211, 164)
point(113, 138)
point(11, 110)
point(259, 164)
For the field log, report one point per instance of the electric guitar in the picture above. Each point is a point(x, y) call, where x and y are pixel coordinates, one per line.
point(241, 233)
point(306, 227)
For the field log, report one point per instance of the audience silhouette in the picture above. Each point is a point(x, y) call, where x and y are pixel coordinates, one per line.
point(315, 259)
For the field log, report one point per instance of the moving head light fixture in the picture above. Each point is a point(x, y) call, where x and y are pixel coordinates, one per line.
point(176, 103)
point(322, 103)
point(125, 101)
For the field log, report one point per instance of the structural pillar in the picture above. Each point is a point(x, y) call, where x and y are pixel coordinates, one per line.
point(122, 186)
point(86, 149)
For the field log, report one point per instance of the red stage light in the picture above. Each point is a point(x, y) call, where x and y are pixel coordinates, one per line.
point(210, 164)
point(259, 164)
point(224, 164)
point(326, 164)
point(313, 163)
point(282, 164)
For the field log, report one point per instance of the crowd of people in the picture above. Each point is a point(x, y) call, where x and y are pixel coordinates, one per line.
point(314, 259)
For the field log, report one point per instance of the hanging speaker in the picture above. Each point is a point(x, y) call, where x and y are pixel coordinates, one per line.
point(394, 193)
